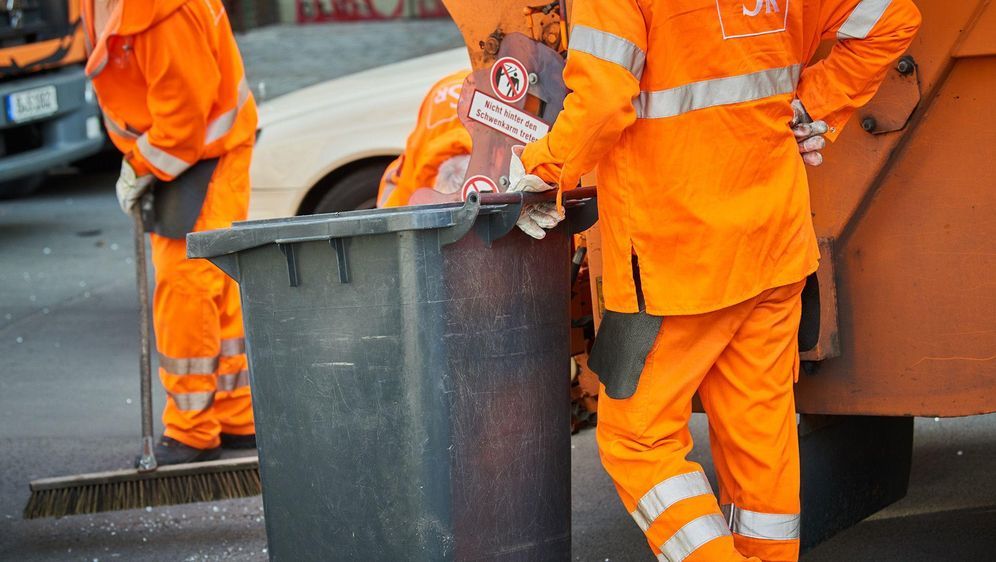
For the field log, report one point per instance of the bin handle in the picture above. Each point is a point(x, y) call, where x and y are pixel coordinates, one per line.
point(502, 222)
point(528, 198)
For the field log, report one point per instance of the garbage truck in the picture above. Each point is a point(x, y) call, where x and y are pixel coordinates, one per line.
point(50, 115)
point(900, 319)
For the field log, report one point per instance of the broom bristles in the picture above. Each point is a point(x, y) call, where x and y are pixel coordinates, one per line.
point(130, 489)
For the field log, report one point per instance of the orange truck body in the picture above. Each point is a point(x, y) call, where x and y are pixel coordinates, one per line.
point(52, 52)
point(900, 320)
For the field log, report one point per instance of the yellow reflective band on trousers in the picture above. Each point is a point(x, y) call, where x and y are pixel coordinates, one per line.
point(608, 47)
point(192, 401)
point(718, 91)
point(228, 383)
point(188, 365)
point(861, 21)
point(667, 493)
point(202, 365)
point(233, 346)
point(693, 535)
point(765, 526)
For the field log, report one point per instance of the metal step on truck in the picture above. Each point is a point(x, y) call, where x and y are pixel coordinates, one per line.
point(49, 115)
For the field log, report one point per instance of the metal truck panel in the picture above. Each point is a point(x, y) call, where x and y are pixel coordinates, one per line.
point(916, 278)
point(71, 133)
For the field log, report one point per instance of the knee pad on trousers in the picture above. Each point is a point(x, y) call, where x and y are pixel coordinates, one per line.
point(621, 348)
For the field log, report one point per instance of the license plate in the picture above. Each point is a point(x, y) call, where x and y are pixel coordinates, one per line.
point(32, 104)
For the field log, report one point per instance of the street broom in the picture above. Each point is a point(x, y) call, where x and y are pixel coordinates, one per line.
point(148, 485)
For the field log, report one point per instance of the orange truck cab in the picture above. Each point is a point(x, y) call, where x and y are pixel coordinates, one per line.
point(49, 115)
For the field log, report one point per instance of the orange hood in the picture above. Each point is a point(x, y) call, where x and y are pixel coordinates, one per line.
point(130, 17)
point(137, 16)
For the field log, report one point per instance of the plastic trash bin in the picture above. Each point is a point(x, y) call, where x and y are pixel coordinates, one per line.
point(410, 380)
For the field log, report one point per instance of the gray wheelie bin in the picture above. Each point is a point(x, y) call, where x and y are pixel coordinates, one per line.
point(410, 380)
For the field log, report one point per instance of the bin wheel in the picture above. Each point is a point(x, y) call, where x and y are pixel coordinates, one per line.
point(355, 191)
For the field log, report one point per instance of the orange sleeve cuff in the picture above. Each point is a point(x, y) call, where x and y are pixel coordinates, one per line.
point(138, 164)
point(538, 161)
point(816, 95)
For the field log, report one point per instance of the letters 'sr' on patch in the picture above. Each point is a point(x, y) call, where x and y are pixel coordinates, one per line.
point(749, 18)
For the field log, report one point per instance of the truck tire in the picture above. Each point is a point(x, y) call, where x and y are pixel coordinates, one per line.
point(357, 190)
point(21, 187)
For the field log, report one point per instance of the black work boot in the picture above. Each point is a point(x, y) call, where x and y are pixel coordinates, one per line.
point(171, 451)
point(232, 441)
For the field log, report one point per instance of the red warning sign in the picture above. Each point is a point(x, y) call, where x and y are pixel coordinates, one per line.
point(477, 184)
point(509, 79)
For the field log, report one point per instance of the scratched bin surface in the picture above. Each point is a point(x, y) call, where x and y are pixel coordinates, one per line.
point(410, 383)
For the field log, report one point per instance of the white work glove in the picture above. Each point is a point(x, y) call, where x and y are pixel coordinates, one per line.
point(808, 133)
point(537, 218)
point(130, 187)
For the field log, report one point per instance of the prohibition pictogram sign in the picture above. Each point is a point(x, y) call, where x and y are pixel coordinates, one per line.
point(477, 184)
point(509, 79)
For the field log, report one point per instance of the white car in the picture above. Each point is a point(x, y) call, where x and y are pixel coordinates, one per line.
point(324, 148)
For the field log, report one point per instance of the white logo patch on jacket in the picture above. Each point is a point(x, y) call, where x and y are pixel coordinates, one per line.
point(749, 18)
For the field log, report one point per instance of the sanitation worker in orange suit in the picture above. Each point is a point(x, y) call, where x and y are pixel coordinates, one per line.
point(700, 116)
point(172, 88)
point(437, 151)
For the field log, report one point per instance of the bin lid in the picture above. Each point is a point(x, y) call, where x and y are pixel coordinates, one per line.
point(246, 235)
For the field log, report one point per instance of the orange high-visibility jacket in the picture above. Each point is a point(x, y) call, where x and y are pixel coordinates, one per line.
point(684, 107)
point(438, 136)
point(170, 83)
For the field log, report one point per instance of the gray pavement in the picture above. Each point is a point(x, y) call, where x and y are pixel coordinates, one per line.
point(283, 58)
point(68, 404)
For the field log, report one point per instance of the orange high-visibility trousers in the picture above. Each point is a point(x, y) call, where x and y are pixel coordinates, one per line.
point(198, 322)
point(742, 361)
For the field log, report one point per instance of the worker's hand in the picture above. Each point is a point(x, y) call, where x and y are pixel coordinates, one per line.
point(535, 219)
point(809, 134)
point(130, 187)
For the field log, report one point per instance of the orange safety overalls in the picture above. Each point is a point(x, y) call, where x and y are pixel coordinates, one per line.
point(171, 84)
point(684, 106)
point(438, 136)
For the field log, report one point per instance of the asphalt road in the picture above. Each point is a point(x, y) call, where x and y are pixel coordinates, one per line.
point(68, 404)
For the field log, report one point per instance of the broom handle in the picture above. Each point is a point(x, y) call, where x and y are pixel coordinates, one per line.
point(147, 462)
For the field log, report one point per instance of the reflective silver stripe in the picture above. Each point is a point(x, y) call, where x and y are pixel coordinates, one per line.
point(693, 535)
point(758, 525)
point(224, 122)
point(87, 44)
point(718, 91)
point(99, 69)
point(608, 47)
point(861, 21)
point(667, 493)
point(192, 401)
point(233, 346)
point(188, 365)
point(160, 158)
point(112, 126)
point(228, 383)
